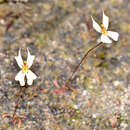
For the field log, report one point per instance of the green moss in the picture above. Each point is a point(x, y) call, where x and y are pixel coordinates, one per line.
point(76, 117)
point(104, 64)
point(4, 126)
point(42, 40)
point(78, 124)
point(1, 1)
point(101, 55)
point(86, 83)
point(70, 122)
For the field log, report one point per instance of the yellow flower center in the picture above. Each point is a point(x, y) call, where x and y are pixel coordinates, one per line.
point(103, 29)
point(25, 67)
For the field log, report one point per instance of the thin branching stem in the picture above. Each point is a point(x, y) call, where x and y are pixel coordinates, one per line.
point(84, 57)
point(18, 100)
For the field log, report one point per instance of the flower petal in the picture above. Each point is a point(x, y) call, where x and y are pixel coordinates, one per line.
point(105, 39)
point(113, 35)
point(30, 59)
point(19, 59)
point(105, 21)
point(20, 77)
point(96, 25)
point(30, 77)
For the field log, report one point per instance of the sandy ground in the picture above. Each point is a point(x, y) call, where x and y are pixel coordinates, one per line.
point(55, 31)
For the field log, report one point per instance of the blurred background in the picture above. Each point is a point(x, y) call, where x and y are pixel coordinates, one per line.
point(59, 33)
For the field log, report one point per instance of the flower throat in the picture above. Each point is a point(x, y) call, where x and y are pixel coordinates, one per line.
point(103, 29)
point(25, 67)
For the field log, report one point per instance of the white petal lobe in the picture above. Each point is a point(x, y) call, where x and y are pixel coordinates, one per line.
point(19, 59)
point(113, 35)
point(30, 59)
point(105, 39)
point(20, 77)
point(105, 21)
point(30, 77)
point(96, 25)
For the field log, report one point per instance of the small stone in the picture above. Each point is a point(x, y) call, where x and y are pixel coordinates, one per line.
point(47, 6)
point(124, 125)
point(84, 93)
point(116, 83)
point(2, 21)
point(73, 120)
point(94, 115)
point(83, 122)
point(75, 106)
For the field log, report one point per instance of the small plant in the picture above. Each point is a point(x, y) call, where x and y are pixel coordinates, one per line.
point(25, 66)
point(103, 39)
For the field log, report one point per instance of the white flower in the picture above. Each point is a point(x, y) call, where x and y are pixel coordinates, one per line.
point(103, 30)
point(25, 65)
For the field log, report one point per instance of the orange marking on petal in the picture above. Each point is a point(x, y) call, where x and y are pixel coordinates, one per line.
point(103, 29)
point(25, 67)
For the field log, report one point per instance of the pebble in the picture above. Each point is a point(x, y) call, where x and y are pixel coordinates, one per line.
point(116, 83)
